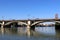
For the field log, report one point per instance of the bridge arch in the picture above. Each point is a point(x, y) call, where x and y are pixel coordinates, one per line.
point(36, 23)
point(48, 22)
point(16, 22)
point(42, 22)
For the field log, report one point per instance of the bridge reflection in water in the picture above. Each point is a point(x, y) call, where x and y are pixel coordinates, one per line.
point(21, 33)
point(39, 31)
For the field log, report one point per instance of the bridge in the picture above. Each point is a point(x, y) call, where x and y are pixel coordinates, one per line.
point(30, 23)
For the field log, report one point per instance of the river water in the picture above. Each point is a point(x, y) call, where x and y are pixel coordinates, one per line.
point(20, 33)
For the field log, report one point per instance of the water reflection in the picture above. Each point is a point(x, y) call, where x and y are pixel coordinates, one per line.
point(2, 31)
point(46, 30)
point(39, 33)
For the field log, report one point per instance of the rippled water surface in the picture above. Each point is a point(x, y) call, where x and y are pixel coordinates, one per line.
point(21, 33)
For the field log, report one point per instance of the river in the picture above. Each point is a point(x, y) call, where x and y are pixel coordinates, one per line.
point(20, 33)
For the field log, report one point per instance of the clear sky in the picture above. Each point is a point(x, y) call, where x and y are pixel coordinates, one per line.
point(23, 9)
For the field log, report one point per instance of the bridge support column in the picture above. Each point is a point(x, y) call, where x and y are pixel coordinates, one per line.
point(2, 25)
point(28, 28)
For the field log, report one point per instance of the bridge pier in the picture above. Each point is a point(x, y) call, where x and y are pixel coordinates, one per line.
point(2, 25)
point(28, 28)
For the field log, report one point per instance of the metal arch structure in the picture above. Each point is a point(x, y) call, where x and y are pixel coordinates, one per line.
point(16, 22)
point(43, 22)
point(25, 22)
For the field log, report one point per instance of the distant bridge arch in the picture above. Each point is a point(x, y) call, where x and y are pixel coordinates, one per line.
point(43, 22)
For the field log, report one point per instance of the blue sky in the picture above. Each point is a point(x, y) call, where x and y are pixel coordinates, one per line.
point(23, 9)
